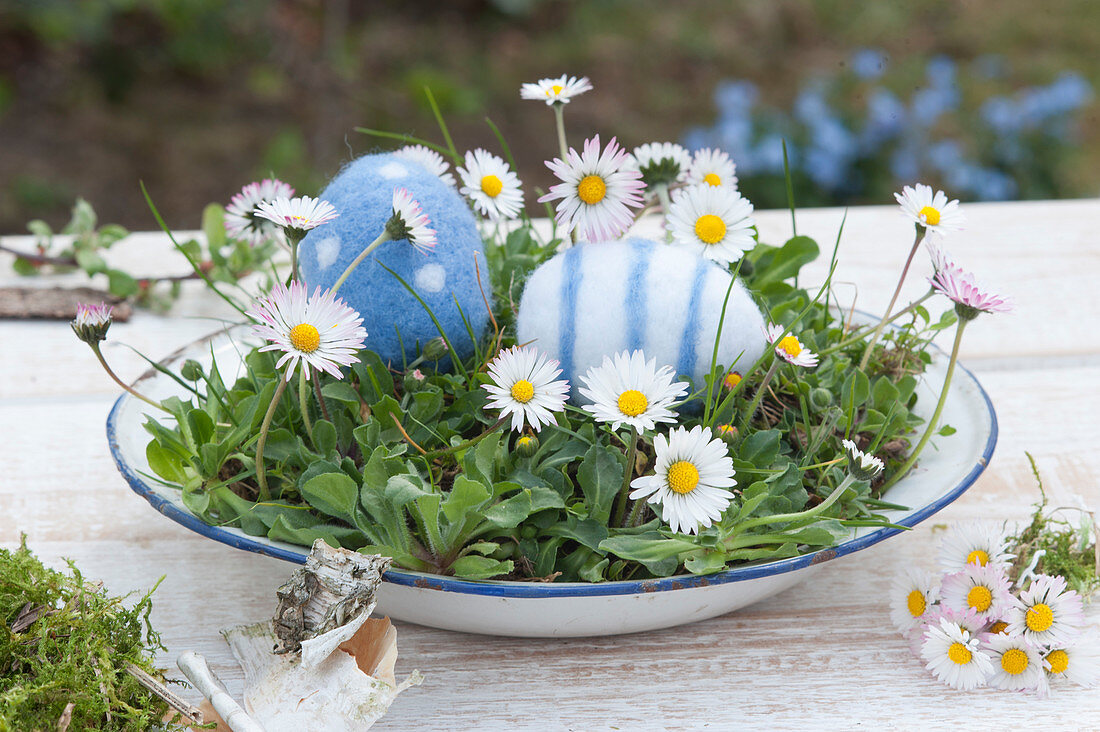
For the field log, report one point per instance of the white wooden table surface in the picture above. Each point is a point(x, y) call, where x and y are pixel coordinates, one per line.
point(820, 656)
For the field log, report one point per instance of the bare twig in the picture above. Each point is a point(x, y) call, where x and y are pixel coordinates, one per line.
point(191, 712)
point(196, 670)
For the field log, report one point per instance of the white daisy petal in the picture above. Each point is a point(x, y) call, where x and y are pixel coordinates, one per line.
point(661, 163)
point(428, 159)
point(297, 215)
point(319, 329)
point(414, 221)
point(241, 219)
point(491, 186)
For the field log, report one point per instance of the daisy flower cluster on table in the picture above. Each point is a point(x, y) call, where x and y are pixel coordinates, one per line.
point(972, 626)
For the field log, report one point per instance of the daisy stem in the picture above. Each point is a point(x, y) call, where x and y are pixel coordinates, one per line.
point(321, 397)
point(662, 196)
point(789, 517)
point(628, 474)
point(382, 238)
point(559, 117)
point(897, 291)
point(859, 333)
point(934, 421)
point(261, 476)
point(303, 403)
point(120, 382)
point(468, 443)
point(746, 418)
point(635, 512)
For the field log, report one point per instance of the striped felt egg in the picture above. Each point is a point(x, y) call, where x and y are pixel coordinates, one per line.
point(594, 300)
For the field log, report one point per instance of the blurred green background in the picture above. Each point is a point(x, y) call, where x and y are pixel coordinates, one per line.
point(991, 98)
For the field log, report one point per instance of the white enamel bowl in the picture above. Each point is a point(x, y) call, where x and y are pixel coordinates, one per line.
point(583, 609)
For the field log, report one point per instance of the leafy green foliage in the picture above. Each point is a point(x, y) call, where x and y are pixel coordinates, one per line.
point(64, 640)
point(415, 468)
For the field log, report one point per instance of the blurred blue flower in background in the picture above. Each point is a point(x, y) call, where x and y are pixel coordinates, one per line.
point(841, 149)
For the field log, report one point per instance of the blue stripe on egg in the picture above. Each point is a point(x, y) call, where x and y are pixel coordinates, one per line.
point(636, 300)
point(686, 362)
point(572, 274)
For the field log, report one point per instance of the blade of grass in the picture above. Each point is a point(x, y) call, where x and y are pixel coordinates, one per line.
point(408, 139)
point(442, 125)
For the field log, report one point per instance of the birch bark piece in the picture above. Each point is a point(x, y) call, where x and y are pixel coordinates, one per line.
point(55, 303)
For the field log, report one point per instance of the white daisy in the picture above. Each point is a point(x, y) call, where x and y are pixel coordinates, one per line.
point(985, 589)
point(713, 168)
point(974, 543)
point(92, 322)
point(789, 348)
point(596, 191)
point(241, 219)
point(661, 163)
point(861, 465)
point(1046, 613)
point(955, 657)
point(556, 91)
point(318, 330)
point(930, 209)
point(691, 475)
point(913, 598)
point(297, 215)
point(429, 159)
point(715, 222)
point(491, 185)
point(630, 390)
point(410, 222)
point(1078, 662)
point(941, 259)
point(1017, 665)
point(523, 386)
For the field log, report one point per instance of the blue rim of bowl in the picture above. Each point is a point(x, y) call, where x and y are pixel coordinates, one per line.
point(421, 580)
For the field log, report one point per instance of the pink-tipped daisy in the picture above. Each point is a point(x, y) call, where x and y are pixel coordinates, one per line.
point(789, 348)
point(556, 91)
point(297, 215)
point(524, 385)
point(428, 159)
point(410, 222)
point(491, 186)
point(985, 589)
point(969, 297)
point(597, 190)
point(930, 209)
point(1017, 665)
point(1078, 661)
point(241, 218)
point(692, 476)
point(954, 656)
point(319, 330)
point(713, 168)
point(1047, 613)
point(92, 322)
point(861, 465)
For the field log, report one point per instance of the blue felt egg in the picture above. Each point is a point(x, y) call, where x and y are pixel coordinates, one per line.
point(446, 279)
point(597, 299)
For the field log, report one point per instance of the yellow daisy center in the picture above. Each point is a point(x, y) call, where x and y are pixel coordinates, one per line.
point(1039, 617)
point(554, 90)
point(710, 229)
point(305, 338)
point(591, 189)
point(731, 380)
point(978, 557)
point(491, 186)
point(1014, 661)
point(632, 402)
point(682, 477)
point(998, 627)
point(916, 604)
point(712, 179)
point(790, 346)
point(726, 429)
point(1058, 660)
point(979, 598)
point(523, 391)
point(959, 653)
point(930, 215)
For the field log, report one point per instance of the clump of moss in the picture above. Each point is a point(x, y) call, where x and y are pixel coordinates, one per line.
point(1068, 549)
point(65, 641)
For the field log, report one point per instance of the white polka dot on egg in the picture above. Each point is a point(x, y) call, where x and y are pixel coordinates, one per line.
point(430, 278)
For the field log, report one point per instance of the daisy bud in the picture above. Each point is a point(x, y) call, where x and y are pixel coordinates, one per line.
point(861, 466)
point(820, 398)
point(727, 433)
point(731, 380)
point(435, 349)
point(92, 322)
point(527, 446)
point(413, 381)
point(191, 370)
